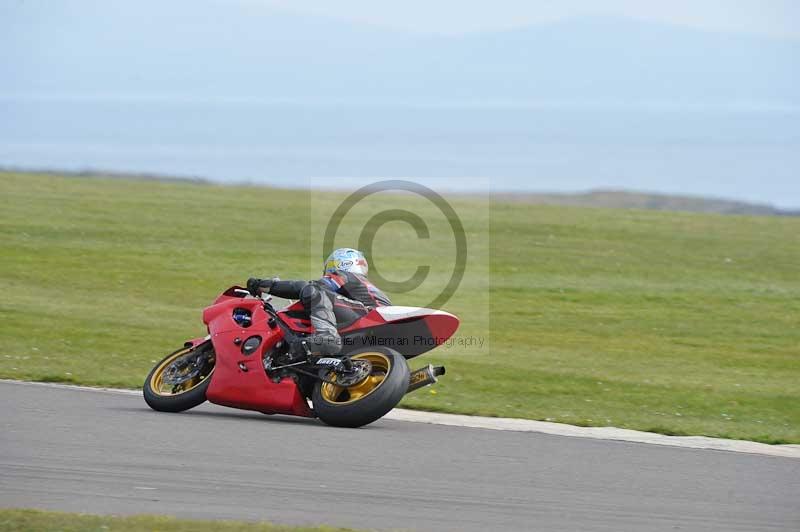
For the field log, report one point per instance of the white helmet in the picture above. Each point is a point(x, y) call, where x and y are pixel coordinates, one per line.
point(346, 260)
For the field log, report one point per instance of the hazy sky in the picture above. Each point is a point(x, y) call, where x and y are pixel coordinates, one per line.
point(200, 87)
point(778, 18)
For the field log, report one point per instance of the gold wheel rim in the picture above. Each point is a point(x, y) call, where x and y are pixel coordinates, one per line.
point(158, 386)
point(341, 395)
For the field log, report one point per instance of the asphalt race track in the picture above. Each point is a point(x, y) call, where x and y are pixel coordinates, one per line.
point(103, 452)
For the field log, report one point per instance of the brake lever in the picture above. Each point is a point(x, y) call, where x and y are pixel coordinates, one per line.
point(266, 298)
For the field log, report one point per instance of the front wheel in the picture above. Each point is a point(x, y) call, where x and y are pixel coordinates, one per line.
point(369, 399)
point(179, 382)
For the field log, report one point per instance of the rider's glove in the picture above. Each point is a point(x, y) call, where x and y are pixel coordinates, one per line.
point(255, 286)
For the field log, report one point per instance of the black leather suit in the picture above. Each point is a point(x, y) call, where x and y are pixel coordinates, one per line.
point(337, 299)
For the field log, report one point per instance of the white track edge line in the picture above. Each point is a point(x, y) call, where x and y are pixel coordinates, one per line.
point(528, 425)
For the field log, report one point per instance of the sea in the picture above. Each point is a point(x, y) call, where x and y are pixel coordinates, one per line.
point(741, 152)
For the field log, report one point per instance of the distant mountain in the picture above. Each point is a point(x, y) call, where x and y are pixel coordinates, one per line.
point(186, 49)
point(608, 199)
point(622, 199)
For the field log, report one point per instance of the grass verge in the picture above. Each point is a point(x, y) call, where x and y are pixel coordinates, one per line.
point(40, 521)
point(671, 322)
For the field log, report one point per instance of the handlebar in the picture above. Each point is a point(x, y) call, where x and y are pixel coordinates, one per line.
point(244, 293)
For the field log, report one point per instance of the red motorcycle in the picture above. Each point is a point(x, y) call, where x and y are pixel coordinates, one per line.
point(245, 362)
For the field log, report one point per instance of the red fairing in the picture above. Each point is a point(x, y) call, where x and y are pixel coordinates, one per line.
point(194, 342)
point(371, 319)
point(296, 318)
point(442, 327)
point(422, 328)
point(409, 330)
point(291, 316)
point(239, 380)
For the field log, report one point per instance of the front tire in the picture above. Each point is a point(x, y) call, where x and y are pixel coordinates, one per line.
point(369, 400)
point(193, 366)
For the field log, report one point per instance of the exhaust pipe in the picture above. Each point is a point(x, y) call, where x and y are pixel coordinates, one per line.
point(424, 376)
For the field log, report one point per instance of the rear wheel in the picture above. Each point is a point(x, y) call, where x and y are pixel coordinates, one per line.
point(179, 382)
point(371, 398)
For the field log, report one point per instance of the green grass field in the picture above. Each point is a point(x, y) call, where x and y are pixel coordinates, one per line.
point(669, 322)
point(38, 521)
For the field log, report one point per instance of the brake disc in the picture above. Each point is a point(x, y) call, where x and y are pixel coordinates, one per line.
point(361, 370)
point(182, 370)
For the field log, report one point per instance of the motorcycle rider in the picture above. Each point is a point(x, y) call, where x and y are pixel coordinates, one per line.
point(342, 295)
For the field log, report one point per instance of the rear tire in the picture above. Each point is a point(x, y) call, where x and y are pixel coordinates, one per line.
point(370, 400)
point(194, 393)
